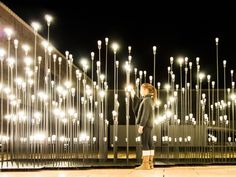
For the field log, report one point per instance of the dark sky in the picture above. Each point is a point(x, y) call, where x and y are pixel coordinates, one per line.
point(177, 28)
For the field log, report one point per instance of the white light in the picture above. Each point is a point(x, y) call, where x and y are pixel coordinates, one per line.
point(197, 60)
point(39, 137)
point(26, 48)
point(102, 77)
point(129, 49)
point(45, 44)
point(54, 137)
point(178, 121)
point(68, 84)
point(232, 72)
point(201, 76)
point(99, 44)
point(233, 96)
point(64, 120)
point(28, 61)
point(8, 32)
point(4, 138)
point(115, 47)
point(88, 91)
point(175, 117)
point(10, 62)
point(150, 78)
point(154, 138)
point(213, 83)
point(159, 120)
point(90, 115)
point(208, 78)
point(54, 57)
point(84, 62)
point(180, 61)
point(213, 122)
point(102, 94)
point(188, 84)
point(92, 55)
point(36, 26)
point(168, 113)
point(217, 40)
point(106, 40)
point(224, 63)
point(16, 42)
point(203, 95)
point(172, 99)
point(154, 48)
point(2, 54)
point(67, 54)
point(37, 115)
point(114, 113)
point(127, 67)
point(48, 18)
point(129, 88)
point(186, 60)
point(83, 137)
point(71, 112)
point(117, 64)
point(167, 87)
point(190, 65)
point(186, 118)
point(50, 48)
point(62, 138)
point(129, 58)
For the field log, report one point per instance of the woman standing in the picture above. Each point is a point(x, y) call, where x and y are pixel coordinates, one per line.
point(144, 112)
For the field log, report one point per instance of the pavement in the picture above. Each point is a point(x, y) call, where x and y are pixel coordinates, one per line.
point(176, 171)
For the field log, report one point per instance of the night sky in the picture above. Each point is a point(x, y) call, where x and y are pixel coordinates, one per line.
point(176, 28)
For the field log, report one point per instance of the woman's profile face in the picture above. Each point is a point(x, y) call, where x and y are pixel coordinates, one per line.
point(143, 91)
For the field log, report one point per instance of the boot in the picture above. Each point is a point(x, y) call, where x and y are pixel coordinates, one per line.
point(151, 159)
point(145, 162)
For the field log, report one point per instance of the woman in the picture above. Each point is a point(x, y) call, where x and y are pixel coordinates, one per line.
point(144, 112)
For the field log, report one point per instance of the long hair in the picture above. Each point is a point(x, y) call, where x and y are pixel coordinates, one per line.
point(151, 90)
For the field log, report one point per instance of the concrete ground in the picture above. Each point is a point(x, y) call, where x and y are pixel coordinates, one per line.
point(188, 171)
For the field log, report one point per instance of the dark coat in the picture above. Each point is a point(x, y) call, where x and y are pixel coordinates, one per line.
point(143, 110)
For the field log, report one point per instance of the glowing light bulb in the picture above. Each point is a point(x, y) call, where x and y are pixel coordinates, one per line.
point(201, 76)
point(48, 18)
point(92, 55)
point(8, 32)
point(180, 61)
point(115, 47)
point(26, 48)
point(106, 40)
point(36, 26)
point(99, 44)
point(2, 54)
point(154, 48)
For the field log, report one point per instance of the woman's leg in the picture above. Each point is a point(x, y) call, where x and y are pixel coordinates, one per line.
point(145, 150)
point(152, 148)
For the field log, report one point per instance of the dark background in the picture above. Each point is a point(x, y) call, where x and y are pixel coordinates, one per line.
point(177, 28)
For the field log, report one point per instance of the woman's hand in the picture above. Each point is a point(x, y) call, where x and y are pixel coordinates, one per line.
point(140, 129)
point(132, 92)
